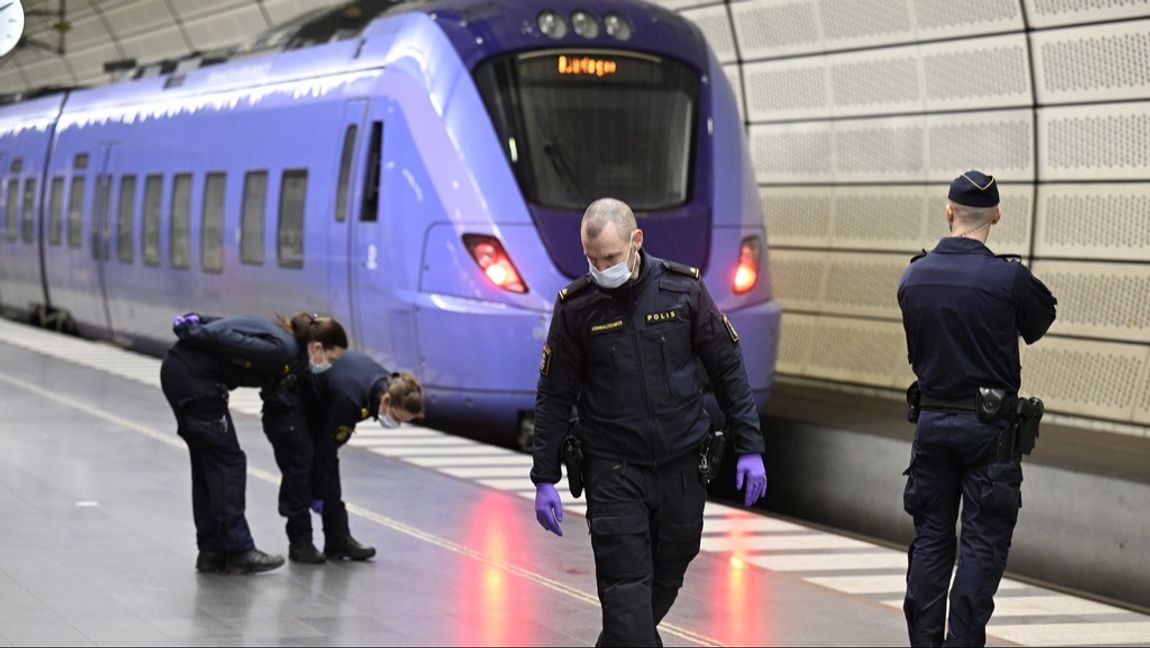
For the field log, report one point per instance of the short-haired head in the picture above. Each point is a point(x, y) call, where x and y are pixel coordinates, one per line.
point(607, 232)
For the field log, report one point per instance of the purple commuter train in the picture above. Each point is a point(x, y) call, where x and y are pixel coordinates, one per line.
point(418, 169)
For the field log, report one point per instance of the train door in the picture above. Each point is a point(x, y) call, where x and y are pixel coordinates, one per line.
point(101, 238)
point(367, 272)
point(349, 187)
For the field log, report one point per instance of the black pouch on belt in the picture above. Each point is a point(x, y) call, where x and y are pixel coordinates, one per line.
point(993, 404)
point(573, 460)
point(913, 395)
point(711, 454)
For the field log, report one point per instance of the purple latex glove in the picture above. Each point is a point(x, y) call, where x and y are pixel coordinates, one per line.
point(317, 506)
point(549, 508)
point(184, 322)
point(751, 471)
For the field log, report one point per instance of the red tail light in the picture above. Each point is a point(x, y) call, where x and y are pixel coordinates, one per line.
point(747, 273)
point(488, 252)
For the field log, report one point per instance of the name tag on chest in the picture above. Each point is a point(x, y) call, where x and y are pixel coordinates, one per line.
point(607, 327)
point(662, 316)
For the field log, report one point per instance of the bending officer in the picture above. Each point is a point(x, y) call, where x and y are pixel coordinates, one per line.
point(622, 349)
point(963, 310)
point(356, 388)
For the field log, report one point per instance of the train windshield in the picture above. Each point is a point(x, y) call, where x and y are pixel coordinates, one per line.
point(580, 125)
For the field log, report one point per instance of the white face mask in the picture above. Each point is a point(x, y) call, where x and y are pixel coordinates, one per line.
point(320, 367)
point(616, 275)
point(387, 422)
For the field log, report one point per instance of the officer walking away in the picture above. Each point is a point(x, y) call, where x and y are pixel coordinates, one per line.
point(963, 310)
point(286, 427)
point(356, 388)
point(212, 357)
point(623, 350)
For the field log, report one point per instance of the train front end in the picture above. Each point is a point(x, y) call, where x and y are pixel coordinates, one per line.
point(567, 103)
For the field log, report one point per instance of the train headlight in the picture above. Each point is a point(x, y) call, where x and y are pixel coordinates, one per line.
point(494, 261)
point(617, 27)
point(747, 272)
point(585, 24)
point(552, 24)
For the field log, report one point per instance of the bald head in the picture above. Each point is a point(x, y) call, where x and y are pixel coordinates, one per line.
point(608, 211)
point(609, 232)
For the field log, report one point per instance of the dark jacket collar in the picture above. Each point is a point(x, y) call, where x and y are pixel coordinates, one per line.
point(961, 245)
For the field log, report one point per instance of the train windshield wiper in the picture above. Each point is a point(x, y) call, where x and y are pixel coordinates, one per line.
point(563, 169)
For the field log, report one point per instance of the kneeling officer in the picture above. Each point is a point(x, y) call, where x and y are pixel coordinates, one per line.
point(623, 349)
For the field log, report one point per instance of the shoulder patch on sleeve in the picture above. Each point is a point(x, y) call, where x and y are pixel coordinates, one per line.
point(343, 433)
point(545, 362)
point(1012, 258)
point(681, 268)
point(730, 329)
point(574, 287)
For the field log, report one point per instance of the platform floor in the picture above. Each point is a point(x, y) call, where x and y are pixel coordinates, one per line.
point(97, 543)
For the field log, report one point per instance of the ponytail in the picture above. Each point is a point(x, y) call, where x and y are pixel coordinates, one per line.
point(309, 327)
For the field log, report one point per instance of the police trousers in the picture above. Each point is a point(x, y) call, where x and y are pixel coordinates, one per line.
point(219, 466)
point(286, 428)
point(952, 461)
point(326, 486)
point(646, 525)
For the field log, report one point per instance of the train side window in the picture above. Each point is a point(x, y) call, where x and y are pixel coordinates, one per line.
point(12, 211)
point(181, 213)
point(28, 226)
point(56, 210)
point(344, 185)
point(153, 202)
point(371, 186)
point(76, 211)
point(126, 221)
point(252, 218)
point(289, 234)
point(212, 231)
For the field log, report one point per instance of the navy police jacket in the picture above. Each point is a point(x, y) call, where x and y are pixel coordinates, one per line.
point(243, 351)
point(627, 359)
point(964, 309)
point(346, 394)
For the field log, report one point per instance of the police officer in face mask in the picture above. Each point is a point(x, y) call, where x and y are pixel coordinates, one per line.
point(964, 309)
point(623, 349)
point(353, 389)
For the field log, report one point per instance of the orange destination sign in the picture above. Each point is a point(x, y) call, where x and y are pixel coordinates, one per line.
point(587, 66)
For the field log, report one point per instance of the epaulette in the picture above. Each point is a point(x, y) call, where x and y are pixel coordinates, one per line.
point(1012, 258)
point(681, 269)
point(919, 256)
point(574, 287)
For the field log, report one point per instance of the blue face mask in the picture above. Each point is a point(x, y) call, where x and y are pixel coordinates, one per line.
point(387, 422)
point(616, 275)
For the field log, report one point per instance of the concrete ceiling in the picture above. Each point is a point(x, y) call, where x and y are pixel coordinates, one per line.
point(146, 30)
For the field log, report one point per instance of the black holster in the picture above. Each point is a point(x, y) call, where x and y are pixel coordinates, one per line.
point(573, 459)
point(1021, 436)
point(913, 396)
point(711, 453)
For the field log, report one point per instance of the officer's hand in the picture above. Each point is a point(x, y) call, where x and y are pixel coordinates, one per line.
point(181, 324)
point(751, 471)
point(549, 508)
point(317, 506)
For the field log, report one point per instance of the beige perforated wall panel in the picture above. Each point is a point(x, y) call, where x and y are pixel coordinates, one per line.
point(1099, 379)
point(844, 350)
point(1050, 13)
point(1100, 300)
point(1094, 221)
point(1100, 63)
point(1097, 142)
point(716, 25)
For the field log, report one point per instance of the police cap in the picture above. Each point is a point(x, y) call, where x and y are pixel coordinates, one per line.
point(974, 189)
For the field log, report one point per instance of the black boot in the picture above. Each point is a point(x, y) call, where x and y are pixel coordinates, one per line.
point(210, 562)
point(251, 561)
point(305, 552)
point(347, 547)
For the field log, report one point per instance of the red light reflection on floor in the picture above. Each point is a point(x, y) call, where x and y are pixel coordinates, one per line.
point(739, 592)
point(495, 606)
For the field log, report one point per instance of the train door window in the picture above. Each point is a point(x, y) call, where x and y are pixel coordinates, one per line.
point(252, 218)
point(212, 231)
point(12, 210)
point(28, 225)
point(101, 207)
point(126, 220)
point(153, 202)
point(371, 186)
point(76, 211)
point(289, 233)
point(345, 160)
point(56, 210)
point(181, 213)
